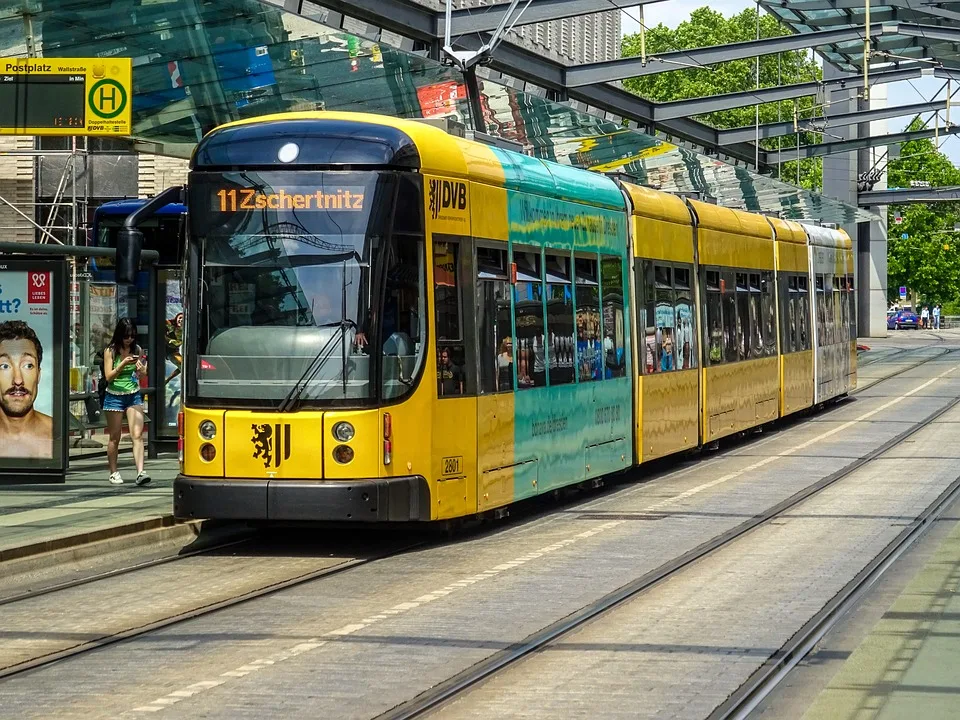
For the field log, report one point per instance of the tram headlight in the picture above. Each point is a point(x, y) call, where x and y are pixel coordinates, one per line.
point(208, 430)
point(208, 452)
point(343, 454)
point(344, 432)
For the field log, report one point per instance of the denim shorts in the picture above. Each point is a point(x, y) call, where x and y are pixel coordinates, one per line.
point(120, 403)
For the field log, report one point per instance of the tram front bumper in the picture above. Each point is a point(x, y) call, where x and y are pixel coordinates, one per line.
point(398, 499)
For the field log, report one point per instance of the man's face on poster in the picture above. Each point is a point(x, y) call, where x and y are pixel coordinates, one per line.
point(19, 376)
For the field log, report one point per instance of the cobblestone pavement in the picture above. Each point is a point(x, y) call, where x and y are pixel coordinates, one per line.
point(356, 644)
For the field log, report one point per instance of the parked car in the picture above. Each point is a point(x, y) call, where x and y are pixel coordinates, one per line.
point(897, 319)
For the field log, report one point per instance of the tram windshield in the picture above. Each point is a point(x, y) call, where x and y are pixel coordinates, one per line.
point(309, 283)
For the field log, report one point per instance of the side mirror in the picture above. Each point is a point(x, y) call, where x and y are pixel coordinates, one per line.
point(129, 247)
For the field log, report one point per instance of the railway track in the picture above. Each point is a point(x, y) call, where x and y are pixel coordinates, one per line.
point(532, 644)
point(179, 617)
point(772, 672)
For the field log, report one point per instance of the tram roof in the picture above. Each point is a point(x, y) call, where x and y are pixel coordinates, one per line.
point(656, 205)
point(828, 237)
point(714, 217)
point(788, 231)
point(400, 142)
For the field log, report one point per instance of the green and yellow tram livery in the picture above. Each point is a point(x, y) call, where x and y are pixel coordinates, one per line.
point(388, 323)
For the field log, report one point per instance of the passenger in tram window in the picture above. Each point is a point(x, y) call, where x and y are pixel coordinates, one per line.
point(449, 376)
point(651, 350)
point(505, 364)
point(716, 343)
point(666, 351)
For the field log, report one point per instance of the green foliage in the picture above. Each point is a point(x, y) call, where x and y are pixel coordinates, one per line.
point(707, 27)
point(928, 261)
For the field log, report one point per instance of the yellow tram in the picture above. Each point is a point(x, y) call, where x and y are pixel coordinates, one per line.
point(388, 323)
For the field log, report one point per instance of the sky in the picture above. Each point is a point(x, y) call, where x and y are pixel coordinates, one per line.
point(673, 12)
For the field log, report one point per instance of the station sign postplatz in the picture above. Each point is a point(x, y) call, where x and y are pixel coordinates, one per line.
point(66, 96)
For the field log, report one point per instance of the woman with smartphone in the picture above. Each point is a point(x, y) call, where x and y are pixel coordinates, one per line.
point(124, 363)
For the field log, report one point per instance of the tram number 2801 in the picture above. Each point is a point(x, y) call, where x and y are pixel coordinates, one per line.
point(451, 466)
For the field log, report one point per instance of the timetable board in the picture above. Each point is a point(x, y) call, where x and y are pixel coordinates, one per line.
point(66, 96)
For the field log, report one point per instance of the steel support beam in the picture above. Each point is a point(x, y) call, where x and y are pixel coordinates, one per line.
point(613, 70)
point(842, 146)
point(779, 129)
point(487, 19)
point(701, 106)
point(908, 196)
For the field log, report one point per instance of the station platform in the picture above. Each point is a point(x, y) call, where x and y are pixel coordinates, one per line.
point(37, 519)
point(907, 666)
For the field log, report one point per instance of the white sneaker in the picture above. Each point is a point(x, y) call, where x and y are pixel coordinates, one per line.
point(143, 478)
point(115, 478)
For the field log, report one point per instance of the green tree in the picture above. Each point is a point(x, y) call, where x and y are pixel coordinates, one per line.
point(706, 27)
point(927, 261)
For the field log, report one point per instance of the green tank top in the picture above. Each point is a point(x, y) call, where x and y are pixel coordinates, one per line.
point(126, 381)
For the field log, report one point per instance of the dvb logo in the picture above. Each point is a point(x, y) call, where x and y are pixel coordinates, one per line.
point(447, 194)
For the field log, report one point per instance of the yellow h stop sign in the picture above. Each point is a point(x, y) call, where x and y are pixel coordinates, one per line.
point(66, 96)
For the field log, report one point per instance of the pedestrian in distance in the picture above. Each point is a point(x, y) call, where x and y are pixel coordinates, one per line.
point(124, 364)
point(925, 317)
point(936, 317)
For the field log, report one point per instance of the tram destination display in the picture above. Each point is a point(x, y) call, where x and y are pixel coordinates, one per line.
point(65, 96)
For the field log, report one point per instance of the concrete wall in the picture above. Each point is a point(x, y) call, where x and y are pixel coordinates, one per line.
point(157, 173)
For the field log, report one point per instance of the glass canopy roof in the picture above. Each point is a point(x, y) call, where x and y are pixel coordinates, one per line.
point(201, 63)
point(935, 35)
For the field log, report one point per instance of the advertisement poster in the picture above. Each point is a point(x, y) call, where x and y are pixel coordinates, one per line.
point(173, 340)
point(31, 366)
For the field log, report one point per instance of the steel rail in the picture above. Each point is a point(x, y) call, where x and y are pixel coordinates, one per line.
point(116, 572)
point(461, 683)
point(777, 667)
point(112, 639)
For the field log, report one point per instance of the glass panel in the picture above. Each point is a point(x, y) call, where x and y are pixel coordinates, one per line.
point(589, 358)
point(821, 313)
point(611, 280)
point(803, 314)
point(199, 65)
point(451, 359)
point(769, 313)
point(528, 320)
point(666, 319)
point(560, 320)
point(172, 289)
point(745, 318)
point(731, 327)
point(757, 340)
point(494, 321)
point(686, 337)
point(646, 318)
point(788, 334)
point(290, 282)
point(714, 317)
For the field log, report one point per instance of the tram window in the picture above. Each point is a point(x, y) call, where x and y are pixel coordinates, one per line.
point(803, 314)
point(839, 306)
point(744, 318)
point(686, 335)
point(769, 314)
point(730, 325)
point(714, 317)
point(559, 320)
point(611, 284)
point(528, 321)
point(589, 361)
point(493, 321)
point(451, 360)
point(852, 309)
point(756, 342)
point(791, 302)
point(821, 313)
point(646, 317)
point(666, 320)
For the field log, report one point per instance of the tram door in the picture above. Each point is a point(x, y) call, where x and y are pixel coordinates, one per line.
point(454, 451)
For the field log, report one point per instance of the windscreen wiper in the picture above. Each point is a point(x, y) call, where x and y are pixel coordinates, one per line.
point(290, 402)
